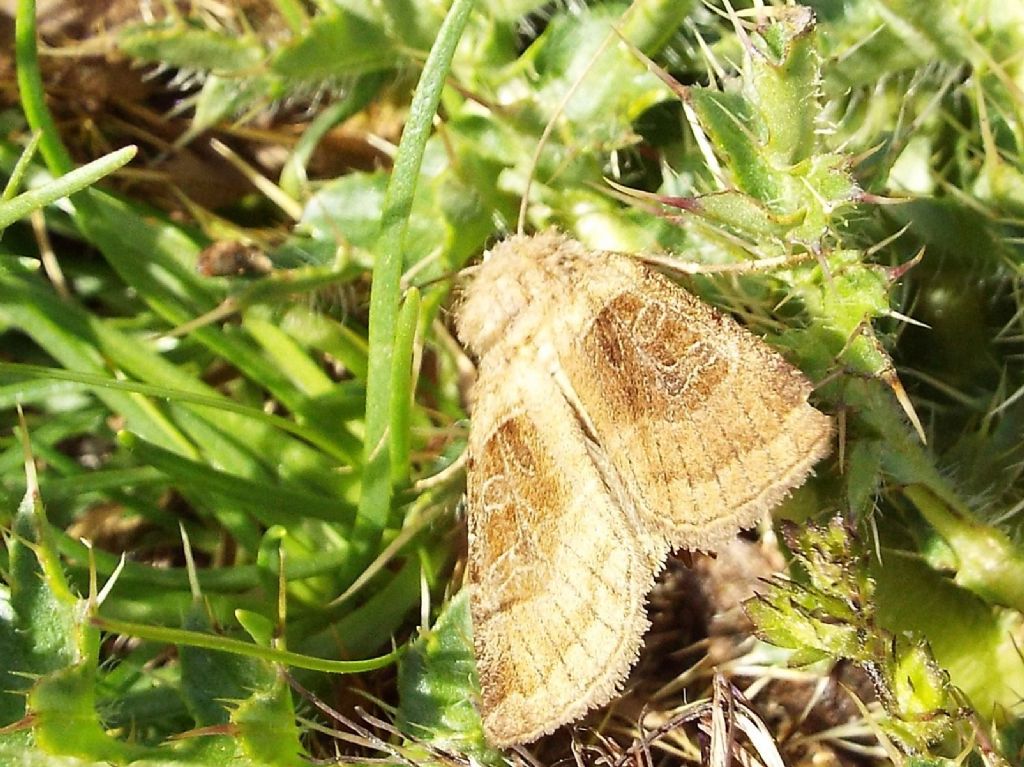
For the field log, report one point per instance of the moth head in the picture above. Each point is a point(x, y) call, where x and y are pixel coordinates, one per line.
point(502, 287)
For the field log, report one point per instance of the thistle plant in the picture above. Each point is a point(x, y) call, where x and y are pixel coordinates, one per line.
point(280, 452)
point(830, 613)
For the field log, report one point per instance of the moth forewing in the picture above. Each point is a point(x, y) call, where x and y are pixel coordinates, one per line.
point(615, 417)
point(707, 426)
point(559, 572)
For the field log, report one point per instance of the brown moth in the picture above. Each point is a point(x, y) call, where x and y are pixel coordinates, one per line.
point(615, 418)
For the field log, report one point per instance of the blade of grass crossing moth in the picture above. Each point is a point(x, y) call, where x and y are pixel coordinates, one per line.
point(375, 498)
point(403, 387)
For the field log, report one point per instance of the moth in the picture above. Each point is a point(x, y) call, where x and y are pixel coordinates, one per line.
point(615, 418)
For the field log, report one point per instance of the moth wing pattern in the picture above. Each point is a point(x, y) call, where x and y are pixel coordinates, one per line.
point(559, 571)
point(707, 427)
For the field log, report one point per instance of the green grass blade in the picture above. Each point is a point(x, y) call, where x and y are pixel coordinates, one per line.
point(30, 87)
point(375, 500)
point(214, 402)
point(339, 340)
point(75, 181)
point(66, 332)
point(21, 167)
point(137, 251)
point(238, 647)
point(403, 387)
point(304, 373)
point(271, 504)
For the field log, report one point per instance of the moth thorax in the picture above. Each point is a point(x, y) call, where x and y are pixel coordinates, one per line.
point(490, 309)
point(514, 287)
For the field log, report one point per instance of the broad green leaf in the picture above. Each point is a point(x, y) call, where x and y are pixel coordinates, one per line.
point(338, 43)
point(438, 686)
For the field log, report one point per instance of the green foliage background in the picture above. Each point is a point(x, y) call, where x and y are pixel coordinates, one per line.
point(268, 440)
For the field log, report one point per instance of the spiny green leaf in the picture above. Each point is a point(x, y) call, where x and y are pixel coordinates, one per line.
point(266, 728)
point(179, 44)
point(65, 721)
point(438, 686)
